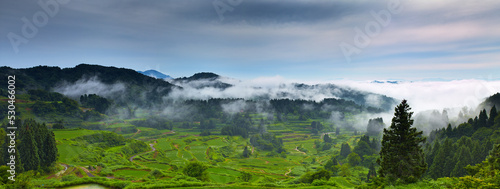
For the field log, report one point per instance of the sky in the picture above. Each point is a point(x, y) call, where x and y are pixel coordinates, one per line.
point(316, 40)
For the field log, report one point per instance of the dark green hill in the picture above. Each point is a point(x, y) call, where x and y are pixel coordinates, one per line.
point(208, 80)
point(491, 101)
point(46, 78)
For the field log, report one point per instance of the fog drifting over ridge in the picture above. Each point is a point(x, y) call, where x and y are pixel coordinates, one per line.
point(421, 95)
point(429, 95)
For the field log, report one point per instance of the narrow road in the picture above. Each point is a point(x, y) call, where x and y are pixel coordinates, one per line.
point(152, 150)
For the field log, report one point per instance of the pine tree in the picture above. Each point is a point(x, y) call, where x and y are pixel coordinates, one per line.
point(486, 148)
point(345, 150)
point(327, 138)
point(401, 155)
point(371, 172)
point(493, 114)
point(476, 153)
point(443, 155)
point(450, 161)
point(483, 119)
point(430, 157)
point(246, 152)
point(463, 159)
point(29, 152)
point(49, 149)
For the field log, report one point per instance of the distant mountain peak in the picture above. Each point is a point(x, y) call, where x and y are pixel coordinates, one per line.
point(200, 76)
point(205, 75)
point(155, 74)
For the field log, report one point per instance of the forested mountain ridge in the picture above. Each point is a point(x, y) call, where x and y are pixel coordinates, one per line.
point(126, 86)
point(101, 79)
point(45, 77)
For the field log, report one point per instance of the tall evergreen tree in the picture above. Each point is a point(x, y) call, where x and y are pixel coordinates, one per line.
point(430, 156)
point(345, 149)
point(476, 153)
point(29, 152)
point(463, 159)
point(493, 114)
point(246, 152)
point(49, 149)
point(371, 172)
point(401, 155)
point(483, 119)
point(450, 161)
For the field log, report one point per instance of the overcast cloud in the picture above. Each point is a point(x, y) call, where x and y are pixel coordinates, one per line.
point(296, 39)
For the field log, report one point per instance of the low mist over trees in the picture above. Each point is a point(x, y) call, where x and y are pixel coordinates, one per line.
point(375, 126)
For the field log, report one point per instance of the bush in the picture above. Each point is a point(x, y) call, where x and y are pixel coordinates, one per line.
point(196, 170)
point(156, 173)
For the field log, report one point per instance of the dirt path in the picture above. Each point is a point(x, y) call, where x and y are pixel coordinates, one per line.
point(60, 172)
point(297, 148)
point(152, 150)
point(87, 171)
point(289, 171)
point(138, 131)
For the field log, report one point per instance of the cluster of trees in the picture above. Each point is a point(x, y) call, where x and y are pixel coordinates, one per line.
point(367, 150)
point(312, 109)
point(105, 139)
point(268, 142)
point(472, 128)
point(485, 174)
point(100, 104)
point(36, 147)
point(467, 144)
point(66, 107)
point(43, 95)
point(316, 127)
point(448, 158)
point(219, 154)
point(240, 126)
point(155, 122)
point(326, 144)
point(207, 124)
